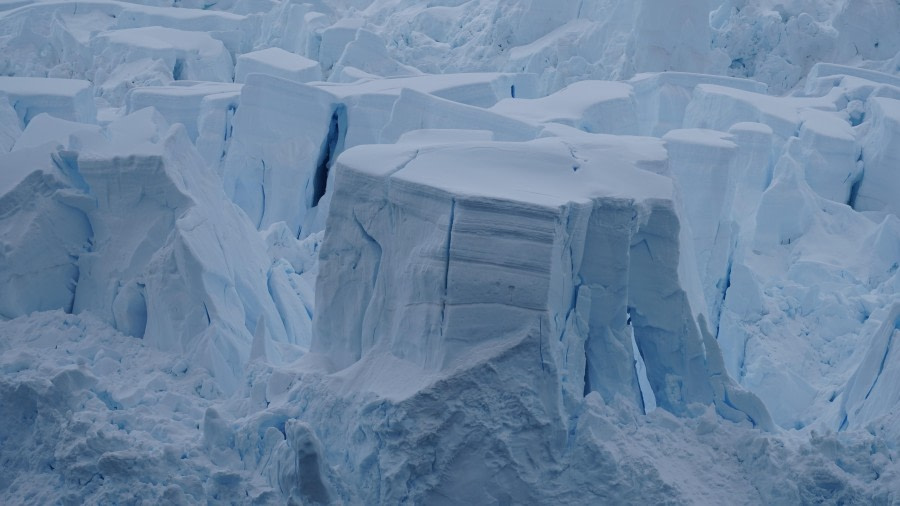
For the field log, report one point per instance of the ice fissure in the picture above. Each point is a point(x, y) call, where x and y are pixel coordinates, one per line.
point(333, 145)
point(448, 258)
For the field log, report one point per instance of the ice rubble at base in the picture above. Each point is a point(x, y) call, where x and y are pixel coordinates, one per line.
point(257, 236)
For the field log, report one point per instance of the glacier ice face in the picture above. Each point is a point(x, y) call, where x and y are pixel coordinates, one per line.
point(662, 98)
point(45, 231)
point(45, 128)
point(277, 168)
point(191, 55)
point(270, 171)
point(576, 240)
point(878, 190)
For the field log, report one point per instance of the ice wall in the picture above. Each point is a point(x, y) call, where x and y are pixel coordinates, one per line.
point(286, 135)
point(580, 245)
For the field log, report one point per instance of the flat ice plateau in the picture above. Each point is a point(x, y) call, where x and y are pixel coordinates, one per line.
point(451, 252)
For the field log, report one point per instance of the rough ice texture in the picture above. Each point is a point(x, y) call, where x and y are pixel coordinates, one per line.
point(43, 233)
point(580, 239)
point(277, 168)
point(880, 185)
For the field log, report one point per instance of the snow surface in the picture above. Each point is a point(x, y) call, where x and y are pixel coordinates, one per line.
point(277, 62)
point(451, 252)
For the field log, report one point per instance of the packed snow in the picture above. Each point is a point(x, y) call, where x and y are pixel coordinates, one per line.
point(454, 252)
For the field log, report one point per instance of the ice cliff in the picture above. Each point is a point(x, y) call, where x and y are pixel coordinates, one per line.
point(456, 252)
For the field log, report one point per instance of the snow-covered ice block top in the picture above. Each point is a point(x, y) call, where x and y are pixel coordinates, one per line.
point(719, 107)
point(190, 55)
point(10, 126)
point(42, 232)
point(531, 173)
point(367, 52)
point(69, 99)
point(822, 70)
point(181, 103)
point(482, 89)
point(592, 106)
point(880, 187)
point(414, 110)
point(277, 62)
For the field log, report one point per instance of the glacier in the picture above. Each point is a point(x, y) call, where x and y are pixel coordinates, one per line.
point(454, 252)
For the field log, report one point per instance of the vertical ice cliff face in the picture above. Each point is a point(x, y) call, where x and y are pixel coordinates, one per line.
point(572, 243)
point(870, 397)
point(606, 39)
point(145, 239)
point(285, 137)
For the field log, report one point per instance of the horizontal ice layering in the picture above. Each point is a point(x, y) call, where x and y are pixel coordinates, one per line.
point(444, 254)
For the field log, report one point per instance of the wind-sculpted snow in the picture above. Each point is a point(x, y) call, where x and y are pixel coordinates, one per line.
point(455, 252)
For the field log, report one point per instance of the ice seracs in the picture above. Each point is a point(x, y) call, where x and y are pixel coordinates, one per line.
point(44, 233)
point(275, 61)
point(880, 183)
point(574, 237)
